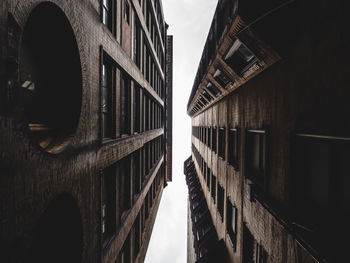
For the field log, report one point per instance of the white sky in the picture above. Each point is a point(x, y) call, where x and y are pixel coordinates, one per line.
point(189, 22)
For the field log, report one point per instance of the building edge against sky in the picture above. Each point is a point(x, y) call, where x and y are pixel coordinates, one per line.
point(85, 125)
point(270, 144)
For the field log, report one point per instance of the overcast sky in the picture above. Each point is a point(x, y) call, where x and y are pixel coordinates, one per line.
point(189, 22)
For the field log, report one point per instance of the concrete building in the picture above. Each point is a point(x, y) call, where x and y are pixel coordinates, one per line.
point(84, 150)
point(270, 140)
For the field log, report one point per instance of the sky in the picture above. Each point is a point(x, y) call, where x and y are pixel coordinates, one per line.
point(189, 22)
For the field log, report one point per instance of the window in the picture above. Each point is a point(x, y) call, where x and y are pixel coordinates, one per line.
point(108, 71)
point(221, 78)
point(320, 178)
point(256, 156)
point(127, 11)
point(108, 208)
point(222, 142)
point(213, 187)
point(137, 42)
point(124, 255)
point(137, 236)
point(233, 148)
point(137, 172)
point(253, 252)
point(125, 110)
point(214, 90)
point(231, 222)
point(240, 58)
point(221, 200)
point(137, 109)
point(214, 139)
point(107, 14)
point(124, 189)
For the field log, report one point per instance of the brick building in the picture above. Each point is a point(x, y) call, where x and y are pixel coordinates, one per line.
point(270, 140)
point(203, 245)
point(85, 151)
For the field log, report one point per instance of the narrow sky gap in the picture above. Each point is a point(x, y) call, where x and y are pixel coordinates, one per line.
point(189, 22)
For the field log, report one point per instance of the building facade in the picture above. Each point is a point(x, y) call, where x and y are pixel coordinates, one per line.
point(269, 141)
point(85, 151)
point(203, 244)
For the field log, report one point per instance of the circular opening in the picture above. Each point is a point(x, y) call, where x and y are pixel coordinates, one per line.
point(59, 233)
point(51, 79)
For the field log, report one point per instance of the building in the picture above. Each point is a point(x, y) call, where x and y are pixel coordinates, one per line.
point(202, 240)
point(84, 149)
point(269, 141)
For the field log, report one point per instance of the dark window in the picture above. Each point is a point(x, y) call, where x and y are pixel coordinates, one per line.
point(108, 209)
point(222, 142)
point(221, 200)
point(137, 172)
point(231, 221)
point(214, 139)
point(221, 78)
point(124, 188)
point(137, 109)
point(214, 90)
point(233, 148)
point(107, 98)
point(137, 236)
point(125, 105)
point(137, 43)
point(239, 58)
point(320, 178)
point(213, 187)
point(107, 13)
point(248, 246)
point(256, 157)
point(127, 12)
point(124, 255)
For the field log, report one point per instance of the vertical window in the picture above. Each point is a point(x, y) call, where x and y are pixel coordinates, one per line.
point(107, 98)
point(320, 178)
point(137, 109)
point(256, 156)
point(137, 42)
point(125, 104)
point(127, 11)
point(124, 255)
point(213, 141)
point(124, 189)
point(231, 222)
point(137, 236)
point(107, 14)
point(222, 142)
point(233, 148)
point(108, 209)
point(137, 172)
point(213, 187)
point(221, 200)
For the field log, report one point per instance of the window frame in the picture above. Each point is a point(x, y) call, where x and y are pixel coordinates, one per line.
point(258, 177)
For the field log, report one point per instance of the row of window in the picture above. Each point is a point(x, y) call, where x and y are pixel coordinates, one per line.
point(141, 55)
point(255, 149)
point(318, 176)
point(126, 254)
point(123, 182)
point(215, 139)
point(240, 59)
point(126, 107)
point(218, 195)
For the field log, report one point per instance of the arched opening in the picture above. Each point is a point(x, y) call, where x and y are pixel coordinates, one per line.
point(51, 78)
point(59, 233)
